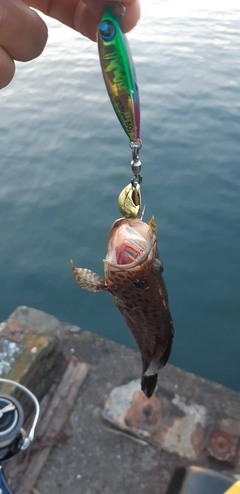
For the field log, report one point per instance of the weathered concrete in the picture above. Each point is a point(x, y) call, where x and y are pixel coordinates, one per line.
point(190, 420)
point(29, 356)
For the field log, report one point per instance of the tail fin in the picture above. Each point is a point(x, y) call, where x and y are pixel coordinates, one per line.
point(148, 384)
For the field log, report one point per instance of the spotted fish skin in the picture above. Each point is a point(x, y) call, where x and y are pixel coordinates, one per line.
point(139, 292)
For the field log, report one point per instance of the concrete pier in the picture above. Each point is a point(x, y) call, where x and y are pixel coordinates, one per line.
point(116, 440)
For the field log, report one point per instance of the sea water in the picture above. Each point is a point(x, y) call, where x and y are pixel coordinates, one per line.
point(65, 158)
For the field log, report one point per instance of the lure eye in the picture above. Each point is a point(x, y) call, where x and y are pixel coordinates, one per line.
point(107, 30)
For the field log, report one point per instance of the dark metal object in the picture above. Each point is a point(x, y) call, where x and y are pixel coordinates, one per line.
point(13, 438)
point(11, 421)
point(197, 480)
point(11, 434)
point(4, 489)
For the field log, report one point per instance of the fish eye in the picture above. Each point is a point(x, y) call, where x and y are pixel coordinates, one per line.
point(140, 284)
point(159, 265)
point(161, 268)
point(107, 30)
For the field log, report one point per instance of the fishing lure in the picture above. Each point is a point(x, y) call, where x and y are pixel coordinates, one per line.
point(119, 73)
point(121, 83)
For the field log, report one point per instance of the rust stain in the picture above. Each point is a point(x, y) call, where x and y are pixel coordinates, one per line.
point(13, 331)
point(172, 423)
point(144, 412)
point(197, 438)
point(222, 445)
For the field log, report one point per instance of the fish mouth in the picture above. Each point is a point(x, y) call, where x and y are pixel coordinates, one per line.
point(128, 243)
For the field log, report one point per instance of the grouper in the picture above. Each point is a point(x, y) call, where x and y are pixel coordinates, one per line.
point(133, 276)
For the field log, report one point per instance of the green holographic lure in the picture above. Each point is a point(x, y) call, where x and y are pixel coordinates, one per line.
point(118, 71)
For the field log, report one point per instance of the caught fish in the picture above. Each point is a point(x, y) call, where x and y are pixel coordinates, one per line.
point(133, 276)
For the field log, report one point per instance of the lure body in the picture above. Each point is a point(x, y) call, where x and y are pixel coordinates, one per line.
point(133, 276)
point(119, 73)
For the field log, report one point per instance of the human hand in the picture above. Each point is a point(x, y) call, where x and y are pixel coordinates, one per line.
point(23, 34)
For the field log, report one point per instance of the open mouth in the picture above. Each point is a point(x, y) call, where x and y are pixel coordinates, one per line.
point(127, 253)
point(127, 246)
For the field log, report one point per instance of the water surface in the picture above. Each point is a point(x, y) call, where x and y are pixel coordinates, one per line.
point(65, 158)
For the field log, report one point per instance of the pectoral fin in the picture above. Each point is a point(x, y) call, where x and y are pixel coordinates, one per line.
point(88, 280)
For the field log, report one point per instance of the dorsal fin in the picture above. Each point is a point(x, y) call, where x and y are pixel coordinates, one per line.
point(152, 223)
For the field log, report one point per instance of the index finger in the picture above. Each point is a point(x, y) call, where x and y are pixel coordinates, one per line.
point(84, 15)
